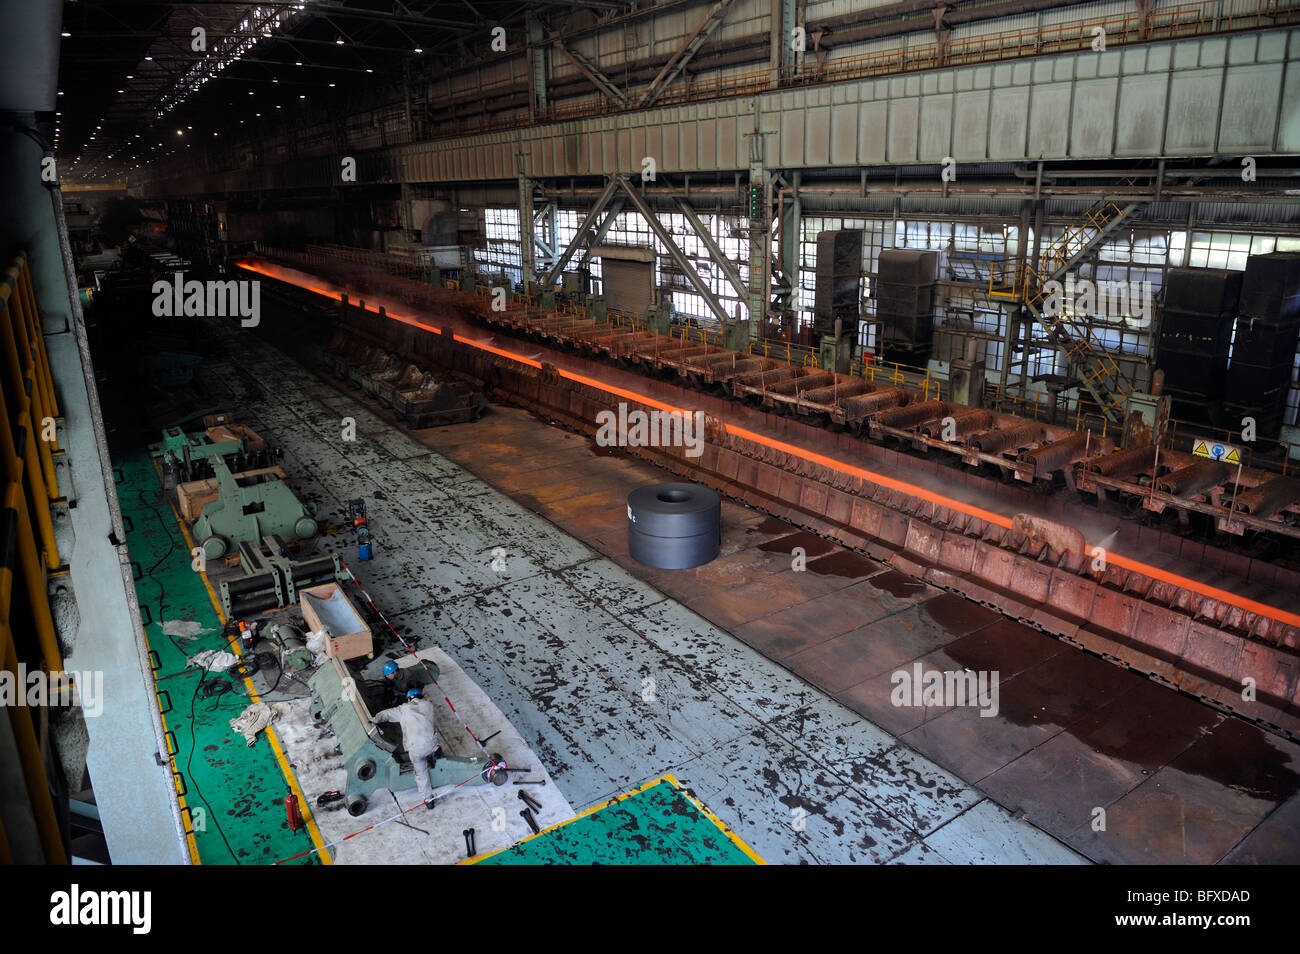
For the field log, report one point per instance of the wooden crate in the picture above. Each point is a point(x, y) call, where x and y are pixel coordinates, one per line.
point(234, 432)
point(346, 634)
point(192, 496)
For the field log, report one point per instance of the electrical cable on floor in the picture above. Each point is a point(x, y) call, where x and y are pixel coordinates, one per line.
point(194, 781)
point(162, 593)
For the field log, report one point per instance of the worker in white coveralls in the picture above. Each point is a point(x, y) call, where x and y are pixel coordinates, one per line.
point(419, 736)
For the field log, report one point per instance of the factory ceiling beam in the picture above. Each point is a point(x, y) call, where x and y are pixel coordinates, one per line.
point(725, 264)
point(602, 4)
point(598, 79)
point(603, 200)
point(675, 253)
point(360, 13)
point(685, 53)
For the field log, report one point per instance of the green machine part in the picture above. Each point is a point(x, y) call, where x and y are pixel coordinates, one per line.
point(249, 508)
point(658, 319)
point(369, 758)
point(184, 448)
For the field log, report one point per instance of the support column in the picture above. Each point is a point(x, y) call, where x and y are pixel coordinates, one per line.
point(408, 214)
point(1036, 263)
point(791, 231)
point(758, 209)
point(678, 257)
point(527, 236)
point(537, 102)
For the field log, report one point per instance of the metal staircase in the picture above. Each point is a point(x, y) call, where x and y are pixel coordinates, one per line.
point(1096, 369)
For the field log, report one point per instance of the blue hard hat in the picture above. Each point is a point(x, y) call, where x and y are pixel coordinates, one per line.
point(413, 693)
point(390, 667)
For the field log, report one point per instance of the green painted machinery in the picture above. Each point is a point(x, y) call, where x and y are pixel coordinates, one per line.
point(372, 754)
point(188, 455)
point(250, 507)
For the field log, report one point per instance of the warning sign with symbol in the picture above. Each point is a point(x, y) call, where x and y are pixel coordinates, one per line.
point(1215, 450)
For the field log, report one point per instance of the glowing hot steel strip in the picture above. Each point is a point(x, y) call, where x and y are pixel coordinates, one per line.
point(1146, 569)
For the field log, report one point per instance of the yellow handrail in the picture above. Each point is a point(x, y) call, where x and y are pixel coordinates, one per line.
point(25, 495)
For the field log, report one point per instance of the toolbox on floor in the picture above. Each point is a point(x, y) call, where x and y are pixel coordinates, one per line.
point(346, 634)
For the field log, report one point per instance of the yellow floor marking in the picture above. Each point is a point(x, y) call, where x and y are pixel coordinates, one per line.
point(667, 777)
point(180, 799)
point(271, 736)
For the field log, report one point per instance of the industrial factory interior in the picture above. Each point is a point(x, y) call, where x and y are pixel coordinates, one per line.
point(651, 432)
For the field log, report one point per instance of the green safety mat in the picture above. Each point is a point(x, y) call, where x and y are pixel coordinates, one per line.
point(233, 794)
point(654, 825)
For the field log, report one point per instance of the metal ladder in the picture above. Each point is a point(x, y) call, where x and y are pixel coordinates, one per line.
point(1097, 370)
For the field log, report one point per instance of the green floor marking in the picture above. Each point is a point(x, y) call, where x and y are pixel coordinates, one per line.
point(655, 826)
point(235, 793)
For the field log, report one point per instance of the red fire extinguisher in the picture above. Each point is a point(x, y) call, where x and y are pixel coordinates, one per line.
point(291, 810)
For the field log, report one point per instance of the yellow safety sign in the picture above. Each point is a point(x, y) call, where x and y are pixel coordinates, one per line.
point(1215, 450)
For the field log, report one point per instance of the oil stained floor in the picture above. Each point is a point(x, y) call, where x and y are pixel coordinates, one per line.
point(612, 683)
point(1077, 743)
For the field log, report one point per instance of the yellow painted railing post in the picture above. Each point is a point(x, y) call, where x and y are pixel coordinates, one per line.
point(38, 344)
point(29, 561)
point(29, 756)
point(29, 374)
point(30, 456)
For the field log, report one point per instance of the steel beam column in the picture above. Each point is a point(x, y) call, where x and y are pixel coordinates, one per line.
point(685, 53)
point(792, 229)
point(536, 66)
point(675, 253)
point(760, 235)
point(588, 220)
point(598, 79)
point(546, 219)
point(615, 207)
point(527, 228)
point(728, 268)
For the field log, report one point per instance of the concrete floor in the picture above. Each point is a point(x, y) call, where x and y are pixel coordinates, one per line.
point(1179, 782)
point(435, 837)
point(611, 682)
